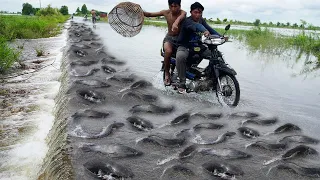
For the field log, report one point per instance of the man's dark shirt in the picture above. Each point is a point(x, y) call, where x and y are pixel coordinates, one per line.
point(191, 31)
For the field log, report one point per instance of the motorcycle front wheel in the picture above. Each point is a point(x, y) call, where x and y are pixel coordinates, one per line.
point(228, 92)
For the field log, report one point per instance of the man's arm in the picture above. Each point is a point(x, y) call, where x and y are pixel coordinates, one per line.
point(178, 20)
point(181, 17)
point(154, 14)
point(194, 26)
point(212, 31)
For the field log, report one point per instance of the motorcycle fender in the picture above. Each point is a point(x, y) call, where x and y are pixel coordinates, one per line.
point(225, 69)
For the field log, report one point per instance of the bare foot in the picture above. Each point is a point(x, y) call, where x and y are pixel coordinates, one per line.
point(167, 80)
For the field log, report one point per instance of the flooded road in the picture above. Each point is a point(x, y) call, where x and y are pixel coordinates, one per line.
point(114, 120)
point(150, 132)
point(269, 84)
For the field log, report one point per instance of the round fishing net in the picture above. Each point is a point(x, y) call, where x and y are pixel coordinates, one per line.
point(126, 19)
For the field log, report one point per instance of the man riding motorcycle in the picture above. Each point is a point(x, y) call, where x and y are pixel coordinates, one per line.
point(190, 33)
point(173, 16)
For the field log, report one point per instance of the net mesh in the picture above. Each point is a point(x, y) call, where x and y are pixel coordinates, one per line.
point(126, 19)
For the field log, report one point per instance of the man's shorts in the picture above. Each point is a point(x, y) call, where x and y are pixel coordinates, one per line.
point(171, 39)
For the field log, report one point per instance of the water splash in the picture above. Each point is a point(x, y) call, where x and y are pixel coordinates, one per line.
point(168, 159)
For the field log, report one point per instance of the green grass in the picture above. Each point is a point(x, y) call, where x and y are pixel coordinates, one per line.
point(30, 27)
point(8, 55)
point(157, 24)
point(25, 27)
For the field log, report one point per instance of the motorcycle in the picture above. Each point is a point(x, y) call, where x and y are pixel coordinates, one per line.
point(218, 76)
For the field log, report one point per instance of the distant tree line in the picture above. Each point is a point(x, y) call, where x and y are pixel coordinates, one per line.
point(27, 9)
point(84, 10)
point(303, 24)
point(7, 12)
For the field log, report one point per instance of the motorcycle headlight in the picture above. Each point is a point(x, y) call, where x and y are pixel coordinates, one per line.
point(216, 41)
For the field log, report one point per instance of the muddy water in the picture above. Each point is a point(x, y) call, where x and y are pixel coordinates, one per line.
point(121, 127)
point(26, 107)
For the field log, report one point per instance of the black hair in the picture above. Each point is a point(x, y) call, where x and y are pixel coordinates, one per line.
point(196, 5)
point(178, 2)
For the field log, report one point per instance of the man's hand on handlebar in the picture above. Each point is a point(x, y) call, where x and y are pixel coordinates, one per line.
point(226, 38)
point(206, 33)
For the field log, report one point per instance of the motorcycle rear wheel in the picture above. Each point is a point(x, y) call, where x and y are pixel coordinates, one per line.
point(230, 90)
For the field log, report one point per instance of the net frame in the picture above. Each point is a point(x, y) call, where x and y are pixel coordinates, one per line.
point(126, 19)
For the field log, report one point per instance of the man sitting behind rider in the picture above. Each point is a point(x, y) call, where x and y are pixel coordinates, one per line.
point(174, 15)
point(191, 30)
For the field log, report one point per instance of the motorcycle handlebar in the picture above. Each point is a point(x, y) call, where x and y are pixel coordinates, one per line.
point(211, 39)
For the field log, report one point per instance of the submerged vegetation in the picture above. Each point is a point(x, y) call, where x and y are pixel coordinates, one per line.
point(263, 39)
point(46, 23)
point(303, 45)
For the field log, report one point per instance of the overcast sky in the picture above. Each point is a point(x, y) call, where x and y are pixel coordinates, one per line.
point(246, 10)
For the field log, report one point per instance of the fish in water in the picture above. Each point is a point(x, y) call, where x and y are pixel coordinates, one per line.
point(287, 128)
point(185, 133)
point(83, 63)
point(101, 51)
point(207, 126)
point(175, 142)
point(245, 115)
point(151, 108)
point(208, 115)
point(139, 123)
point(268, 146)
point(127, 79)
point(299, 139)
point(95, 44)
point(93, 83)
point(143, 97)
point(140, 84)
point(82, 46)
point(89, 73)
point(301, 150)
point(108, 69)
point(112, 61)
point(86, 39)
point(107, 170)
point(313, 172)
point(248, 132)
point(80, 53)
point(222, 170)
point(178, 168)
point(223, 137)
point(106, 131)
point(227, 153)
point(114, 151)
point(188, 152)
point(184, 118)
point(90, 114)
point(258, 121)
point(91, 96)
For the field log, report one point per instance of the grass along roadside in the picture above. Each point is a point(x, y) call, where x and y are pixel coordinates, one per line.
point(30, 27)
point(8, 55)
point(25, 27)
